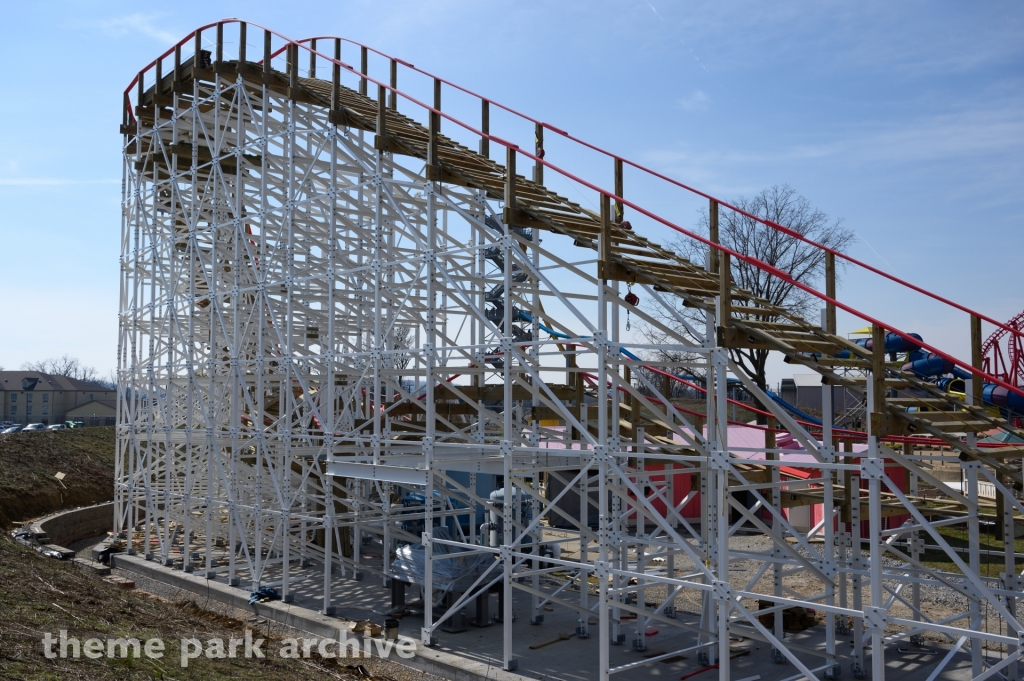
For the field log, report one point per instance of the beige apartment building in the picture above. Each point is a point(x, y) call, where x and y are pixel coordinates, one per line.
point(35, 397)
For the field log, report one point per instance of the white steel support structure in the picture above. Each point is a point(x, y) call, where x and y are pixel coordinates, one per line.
point(313, 320)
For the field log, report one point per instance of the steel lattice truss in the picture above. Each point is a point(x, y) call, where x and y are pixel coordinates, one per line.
point(309, 324)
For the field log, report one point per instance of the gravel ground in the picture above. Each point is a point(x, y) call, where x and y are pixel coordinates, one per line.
point(938, 601)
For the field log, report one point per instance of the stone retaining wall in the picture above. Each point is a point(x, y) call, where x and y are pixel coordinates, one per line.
point(67, 527)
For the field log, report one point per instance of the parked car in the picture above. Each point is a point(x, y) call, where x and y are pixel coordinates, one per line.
point(12, 429)
point(34, 427)
point(75, 424)
point(4, 425)
point(57, 426)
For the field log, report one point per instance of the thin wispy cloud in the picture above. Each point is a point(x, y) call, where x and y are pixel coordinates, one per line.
point(994, 130)
point(699, 61)
point(698, 101)
point(975, 152)
point(880, 256)
point(866, 36)
point(952, 135)
point(50, 181)
point(150, 25)
point(655, 11)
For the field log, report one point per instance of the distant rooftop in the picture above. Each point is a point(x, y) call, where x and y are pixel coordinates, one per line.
point(37, 380)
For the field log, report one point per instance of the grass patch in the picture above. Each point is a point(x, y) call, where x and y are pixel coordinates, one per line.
point(958, 537)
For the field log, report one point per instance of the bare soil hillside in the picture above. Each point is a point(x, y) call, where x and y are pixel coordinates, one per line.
point(29, 462)
point(39, 595)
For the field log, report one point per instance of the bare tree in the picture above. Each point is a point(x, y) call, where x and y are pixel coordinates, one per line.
point(401, 339)
point(36, 366)
point(110, 382)
point(801, 261)
point(63, 366)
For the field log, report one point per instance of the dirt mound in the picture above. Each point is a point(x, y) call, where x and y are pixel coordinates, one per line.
point(29, 462)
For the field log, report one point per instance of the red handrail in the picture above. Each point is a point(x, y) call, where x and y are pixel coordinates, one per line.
point(677, 183)
point(759, 264)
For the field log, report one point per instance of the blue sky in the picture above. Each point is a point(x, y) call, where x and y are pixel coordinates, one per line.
point(905, 119)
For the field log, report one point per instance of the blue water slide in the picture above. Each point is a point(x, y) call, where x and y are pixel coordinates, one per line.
point(791, 409)
point(923, 365)
point(525, 316)
point(893, 343)
point(929, 365)
point(933, 365)
point(1001, 397)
